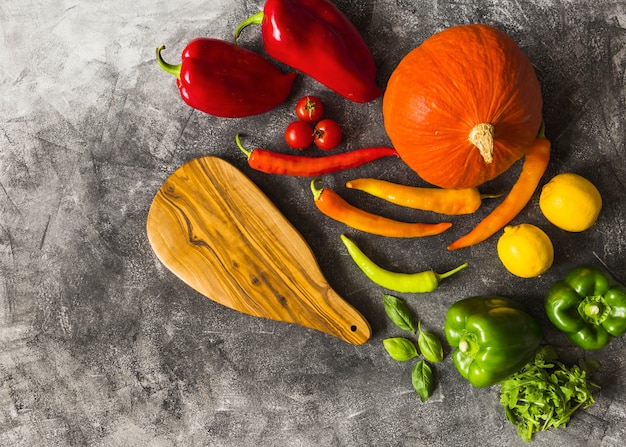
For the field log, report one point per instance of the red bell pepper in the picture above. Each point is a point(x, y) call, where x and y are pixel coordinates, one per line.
point(316, 38)
point(226, 80)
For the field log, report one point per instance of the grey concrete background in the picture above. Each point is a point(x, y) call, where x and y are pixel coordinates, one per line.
point(101, 345)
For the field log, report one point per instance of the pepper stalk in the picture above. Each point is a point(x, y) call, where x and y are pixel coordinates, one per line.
point(169, 68)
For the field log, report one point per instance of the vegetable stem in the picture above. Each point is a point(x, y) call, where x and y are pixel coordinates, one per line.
point(481, 136)
point(315, 190)
point(441, 276)
point(240, 146)
point(171, 69)
point(491, 196)
point(256, 19)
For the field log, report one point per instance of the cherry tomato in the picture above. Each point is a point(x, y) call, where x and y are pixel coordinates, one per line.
point(309, 109)
point(327, 134)
point(299, 135)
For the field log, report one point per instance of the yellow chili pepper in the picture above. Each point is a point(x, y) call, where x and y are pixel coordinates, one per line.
point(334, 206)
point(439, 200)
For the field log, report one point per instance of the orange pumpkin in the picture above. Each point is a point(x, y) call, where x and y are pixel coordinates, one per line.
point(464, 106)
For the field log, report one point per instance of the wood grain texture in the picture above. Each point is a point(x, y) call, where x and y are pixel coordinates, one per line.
point(218, 232)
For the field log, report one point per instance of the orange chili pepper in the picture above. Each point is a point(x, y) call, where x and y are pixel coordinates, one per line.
point(334, 206)
point(438, 200)
point(535, 164)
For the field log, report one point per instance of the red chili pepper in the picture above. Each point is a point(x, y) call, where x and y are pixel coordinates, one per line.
point(334, 206)
point(226, 80)
point(315, 37)
point(302, 166)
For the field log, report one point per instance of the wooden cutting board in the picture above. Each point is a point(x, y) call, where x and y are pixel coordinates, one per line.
point(219, 233)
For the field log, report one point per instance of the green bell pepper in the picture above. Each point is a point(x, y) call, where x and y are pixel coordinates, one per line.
point(588, 307)
point(493, 338)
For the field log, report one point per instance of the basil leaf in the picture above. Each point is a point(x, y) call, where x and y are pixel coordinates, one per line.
point(400, 349)
point(430, 345)
point(423, 380)
point(399, 313)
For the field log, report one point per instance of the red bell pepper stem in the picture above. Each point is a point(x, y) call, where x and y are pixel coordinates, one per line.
point(169, 68)
point(303, 166)
point(255, 19)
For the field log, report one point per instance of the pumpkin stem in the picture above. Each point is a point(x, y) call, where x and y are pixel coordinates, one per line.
point(481, 136)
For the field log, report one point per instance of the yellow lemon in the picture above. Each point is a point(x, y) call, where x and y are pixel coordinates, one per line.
point(525, 250)
point(570, 202)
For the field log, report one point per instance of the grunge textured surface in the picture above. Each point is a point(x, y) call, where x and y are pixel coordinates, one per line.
point(100, 345)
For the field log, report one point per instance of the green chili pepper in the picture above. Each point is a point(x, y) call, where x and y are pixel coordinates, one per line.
point(587, 307)
point(399, 282)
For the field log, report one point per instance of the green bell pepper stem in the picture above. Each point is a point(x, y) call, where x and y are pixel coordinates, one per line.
point(588, 307)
